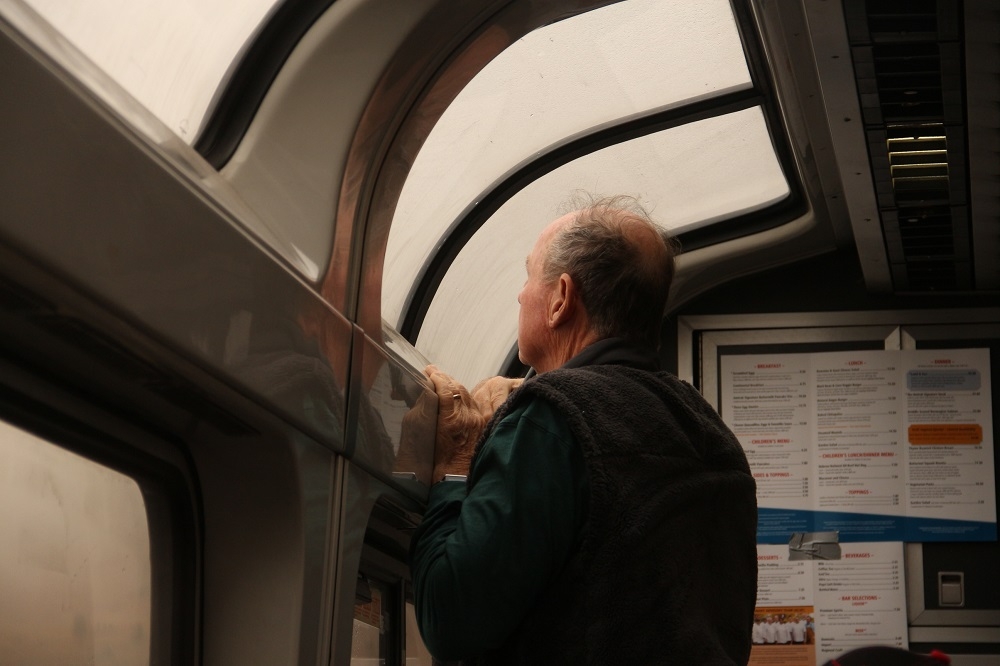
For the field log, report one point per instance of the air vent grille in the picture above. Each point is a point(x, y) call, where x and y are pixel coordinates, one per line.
point(908, 80)
point(909, 70)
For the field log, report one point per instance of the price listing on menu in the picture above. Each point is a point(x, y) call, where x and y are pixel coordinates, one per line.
point(882, 445)
point(814, 608)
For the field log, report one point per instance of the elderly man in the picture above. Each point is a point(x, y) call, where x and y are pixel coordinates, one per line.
point(609, 516)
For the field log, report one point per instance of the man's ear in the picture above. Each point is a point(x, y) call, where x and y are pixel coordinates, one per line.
point(562, 301)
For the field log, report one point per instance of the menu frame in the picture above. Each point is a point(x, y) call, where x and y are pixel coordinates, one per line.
point(702, 338)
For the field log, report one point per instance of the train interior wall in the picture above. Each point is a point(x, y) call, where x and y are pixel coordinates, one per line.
point(831, 282)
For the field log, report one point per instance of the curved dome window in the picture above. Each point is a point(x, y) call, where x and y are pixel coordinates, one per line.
point(705, 158)
point(171, 57)
point(620, 62)
point(642, 97)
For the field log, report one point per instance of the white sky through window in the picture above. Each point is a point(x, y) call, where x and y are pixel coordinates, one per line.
point(618, 62)
point(592, 71)
point(477, 299)
point(171, 56)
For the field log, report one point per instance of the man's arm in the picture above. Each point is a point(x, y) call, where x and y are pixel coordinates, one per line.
point(480, 562)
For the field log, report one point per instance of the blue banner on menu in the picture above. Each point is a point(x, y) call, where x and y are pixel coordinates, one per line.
point(777, 526)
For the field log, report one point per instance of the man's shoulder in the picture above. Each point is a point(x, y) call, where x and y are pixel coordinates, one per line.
point(621, 391)
point(528, 400)
point(534, 413)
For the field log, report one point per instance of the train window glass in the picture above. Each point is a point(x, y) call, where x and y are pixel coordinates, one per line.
point(707, 160)
point(170, 56)
point(370, 643)
point(74, 558)
point(615, 63)
point(416, 653)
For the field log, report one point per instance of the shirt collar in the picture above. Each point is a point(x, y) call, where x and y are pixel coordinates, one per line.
point(616, 351)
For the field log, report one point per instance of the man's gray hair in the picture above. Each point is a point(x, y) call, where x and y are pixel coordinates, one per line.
point(621, 262)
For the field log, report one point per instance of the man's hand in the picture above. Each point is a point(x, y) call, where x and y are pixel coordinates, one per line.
point(462, 416)
point(493, 392)
point(459, 424)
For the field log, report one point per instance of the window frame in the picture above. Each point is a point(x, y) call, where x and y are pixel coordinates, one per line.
point(761, 93)
point(40, 405)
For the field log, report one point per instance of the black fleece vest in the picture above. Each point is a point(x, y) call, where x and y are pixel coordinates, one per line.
point(666, 572)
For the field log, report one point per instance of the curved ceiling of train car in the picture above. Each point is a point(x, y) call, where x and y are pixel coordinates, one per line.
point(471, 141)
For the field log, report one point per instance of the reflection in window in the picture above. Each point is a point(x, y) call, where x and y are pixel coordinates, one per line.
point(416, 653)
point(74, 558)
point(369, 642)
point(374, 628)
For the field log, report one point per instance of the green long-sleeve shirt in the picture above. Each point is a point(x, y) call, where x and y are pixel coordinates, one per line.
point(480, 562)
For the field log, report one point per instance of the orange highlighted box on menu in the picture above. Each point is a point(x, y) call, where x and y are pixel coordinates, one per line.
point(945, 433)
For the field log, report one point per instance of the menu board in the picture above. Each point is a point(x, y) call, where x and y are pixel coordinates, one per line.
point(812, 610)
point(884, 445)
